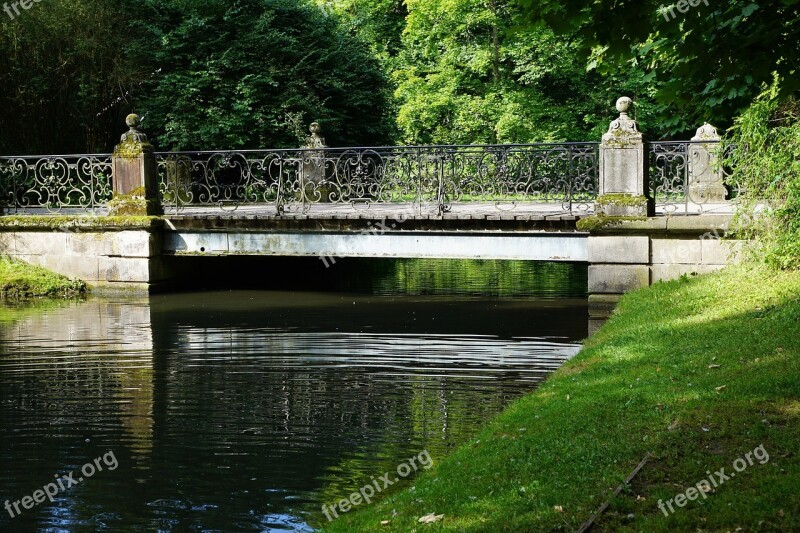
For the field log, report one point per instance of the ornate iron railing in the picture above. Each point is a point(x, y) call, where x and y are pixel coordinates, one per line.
point(687, 176)
point(32, 184)
point(424, 179)
point(427, 179)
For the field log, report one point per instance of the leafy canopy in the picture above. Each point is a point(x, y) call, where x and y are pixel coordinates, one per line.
point(234, 72)
point(205, 74)
point(463, 75)
point(710, 59)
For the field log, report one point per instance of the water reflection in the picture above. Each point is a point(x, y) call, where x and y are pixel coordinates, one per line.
point(245, 411)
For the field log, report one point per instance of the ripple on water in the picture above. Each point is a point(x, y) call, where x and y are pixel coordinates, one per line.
point(249, 420)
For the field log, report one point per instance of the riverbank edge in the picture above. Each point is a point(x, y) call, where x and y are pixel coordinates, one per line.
point(691, 374)
point(20, 281)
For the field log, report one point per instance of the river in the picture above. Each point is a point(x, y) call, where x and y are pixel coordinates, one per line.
point(247, 410)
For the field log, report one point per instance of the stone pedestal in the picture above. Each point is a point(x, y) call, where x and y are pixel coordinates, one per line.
point(314, 187)
point(135, 175)
point(623, 168)
point(706, 179)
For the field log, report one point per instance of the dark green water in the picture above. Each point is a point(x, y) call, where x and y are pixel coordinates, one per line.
point(246, 410)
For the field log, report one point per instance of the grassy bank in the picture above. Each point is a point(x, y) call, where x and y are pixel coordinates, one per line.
point(696, 372)
point(19, 281)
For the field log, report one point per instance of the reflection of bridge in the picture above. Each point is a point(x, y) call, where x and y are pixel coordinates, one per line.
point(491, 202)
point(279, 394)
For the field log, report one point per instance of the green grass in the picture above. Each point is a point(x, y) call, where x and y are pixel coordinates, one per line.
point(648, 382)
point(20, 281)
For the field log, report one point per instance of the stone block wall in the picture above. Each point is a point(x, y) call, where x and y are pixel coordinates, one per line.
point(636, 254)
point(108, 260)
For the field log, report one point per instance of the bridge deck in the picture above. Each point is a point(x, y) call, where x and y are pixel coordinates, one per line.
point(458, 211)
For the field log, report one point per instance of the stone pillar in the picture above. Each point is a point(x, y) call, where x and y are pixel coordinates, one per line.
point(706, 181)
point(135, 176)
point(623, 169)
point(314, 187)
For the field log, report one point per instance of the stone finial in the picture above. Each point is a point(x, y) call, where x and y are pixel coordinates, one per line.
point(624, 129)
point(315, 140)
point(706, 132)
point(133, 121)
point(624, 104)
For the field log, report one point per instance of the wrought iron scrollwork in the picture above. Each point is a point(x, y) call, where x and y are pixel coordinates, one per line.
point(686, 176)
point(427, 179)
point(55, 183)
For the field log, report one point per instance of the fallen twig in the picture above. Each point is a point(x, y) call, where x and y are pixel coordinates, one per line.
point(590, 522)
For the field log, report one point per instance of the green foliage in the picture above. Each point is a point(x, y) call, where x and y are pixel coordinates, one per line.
point(61, 63)
point(766, 166)
point(706, 64)
point(465, 76)
point(232, 72)
point(378, 22)
point(206, 74)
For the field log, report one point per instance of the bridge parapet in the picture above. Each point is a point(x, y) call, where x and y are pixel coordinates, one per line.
point(510, 201)
point(628, 174)
point(417, 180)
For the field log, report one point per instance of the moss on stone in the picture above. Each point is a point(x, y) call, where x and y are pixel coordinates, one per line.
point(61, 222)
point(131, 149)
point(629, 200)
point(134, 204)
point(128, 205)
point(19, 281)
point(597, 222)
point(621, 138)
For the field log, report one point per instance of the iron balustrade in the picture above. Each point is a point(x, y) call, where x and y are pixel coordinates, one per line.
point(55, 183)
point(426, 179)
point(670, 173)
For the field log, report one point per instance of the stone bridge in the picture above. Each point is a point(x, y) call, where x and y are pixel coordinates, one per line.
point(636, 212)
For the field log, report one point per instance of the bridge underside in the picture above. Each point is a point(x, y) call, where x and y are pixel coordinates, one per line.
point(466, 245)
point(508, 238)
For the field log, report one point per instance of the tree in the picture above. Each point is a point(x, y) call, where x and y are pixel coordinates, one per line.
point(464, 76)
point(234, 71)
point(60, 65)
point(205, 74)
point(710, 58)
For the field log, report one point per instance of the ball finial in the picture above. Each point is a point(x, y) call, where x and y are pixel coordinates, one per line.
point(133, 120)
point(624, 104)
